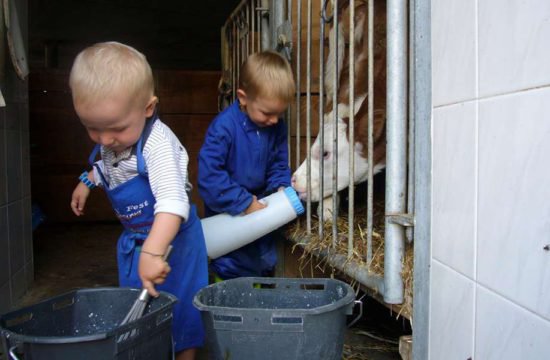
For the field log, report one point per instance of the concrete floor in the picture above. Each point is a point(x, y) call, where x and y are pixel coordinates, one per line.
point(83, 256)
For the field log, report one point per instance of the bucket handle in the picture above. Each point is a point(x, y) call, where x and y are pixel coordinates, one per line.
point(360, 303)
point(12, 352)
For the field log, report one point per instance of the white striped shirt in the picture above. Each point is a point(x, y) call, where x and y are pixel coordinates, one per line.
point(166, 164)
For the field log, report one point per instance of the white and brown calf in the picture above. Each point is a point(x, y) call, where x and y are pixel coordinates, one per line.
point(326, 154)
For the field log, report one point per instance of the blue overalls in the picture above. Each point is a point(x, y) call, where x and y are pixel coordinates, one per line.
point(239, 158)
point(133, 203)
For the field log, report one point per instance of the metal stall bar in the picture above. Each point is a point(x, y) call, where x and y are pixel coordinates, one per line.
point(351, 186)
point(370, 129)
point(266, 35)
point(277, 19)
point(253, 33)
point(321, 134)
point(411, 149)
point(391, 283)
point(242, 37)
point(289, 10)
point(225, 48)
point(352, 269)
point(422, 105)
point(396, 149)
point(258, 12)
point(288, 113)
point(243, 25)
point(234, 60)
point(237, 56)
point(335, 133)
point(279, 42)
point(308, 117)
point(298, 77)
point(248, 30)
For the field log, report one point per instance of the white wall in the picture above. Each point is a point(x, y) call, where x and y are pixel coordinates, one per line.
point(490, 276)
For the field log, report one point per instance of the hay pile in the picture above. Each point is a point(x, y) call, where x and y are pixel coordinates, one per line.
point(362, 352)
point(297, 232)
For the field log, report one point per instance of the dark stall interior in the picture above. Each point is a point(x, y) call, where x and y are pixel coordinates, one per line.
point(181, 40)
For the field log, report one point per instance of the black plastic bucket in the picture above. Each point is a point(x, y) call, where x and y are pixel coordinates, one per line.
point(84, 325)
point(275, 318)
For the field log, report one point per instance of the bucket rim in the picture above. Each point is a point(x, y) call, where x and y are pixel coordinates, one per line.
point(340, 303)
point(102, 335)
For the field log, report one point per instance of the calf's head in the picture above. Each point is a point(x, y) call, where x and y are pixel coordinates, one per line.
point(327, 153)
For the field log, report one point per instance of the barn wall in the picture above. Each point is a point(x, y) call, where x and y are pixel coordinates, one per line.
point(173, 34)
point(490, 279)
point(16, 258)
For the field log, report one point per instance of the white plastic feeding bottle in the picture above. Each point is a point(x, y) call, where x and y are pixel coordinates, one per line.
point(224, 233)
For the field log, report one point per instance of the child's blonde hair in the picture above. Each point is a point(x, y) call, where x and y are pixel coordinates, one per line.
point(267, 74)
point(105, 68)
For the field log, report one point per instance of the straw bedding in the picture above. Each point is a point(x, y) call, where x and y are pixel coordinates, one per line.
point(313, 243)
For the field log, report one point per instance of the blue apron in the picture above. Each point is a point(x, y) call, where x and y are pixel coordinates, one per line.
point(133, 203)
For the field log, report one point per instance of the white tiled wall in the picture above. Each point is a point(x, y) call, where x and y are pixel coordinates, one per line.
point(454, 200)
point(452, 331)
point(453, 47)
point(514, 198)
point(513, 45)
point(505, 330)
point(490, 273)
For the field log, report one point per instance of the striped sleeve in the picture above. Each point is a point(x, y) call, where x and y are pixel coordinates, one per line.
point(166, 161)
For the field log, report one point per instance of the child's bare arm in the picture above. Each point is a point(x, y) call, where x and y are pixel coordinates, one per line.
point(152, 268)
point(80, 195)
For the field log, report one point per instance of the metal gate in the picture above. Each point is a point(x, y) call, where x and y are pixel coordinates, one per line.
point(290, 27)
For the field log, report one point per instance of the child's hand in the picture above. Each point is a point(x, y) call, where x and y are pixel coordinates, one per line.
point(78, 201)
point(281, 188)
point(254, 206)
point(152, 270)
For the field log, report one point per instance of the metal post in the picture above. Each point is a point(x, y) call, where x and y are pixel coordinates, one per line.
point(248, 30)
point(308, 117)
point(277, 18)
point(396, 150)
point(258, 12)
point(266, 32)
point(288, 112)
point(351, 192)
point(234, 66)
point(253, 29)
point(409, 232)
point(298, 57)
point(370, 127)
point(421, 10)
point(321, 134)
point(335, 132)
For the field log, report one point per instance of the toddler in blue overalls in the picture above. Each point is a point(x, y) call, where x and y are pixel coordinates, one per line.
point(245, 157)
point(143, 170)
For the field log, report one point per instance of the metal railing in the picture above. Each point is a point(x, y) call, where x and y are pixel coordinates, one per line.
point(279, 24)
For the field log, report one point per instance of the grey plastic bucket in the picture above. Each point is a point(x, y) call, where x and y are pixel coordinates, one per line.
point(84, 325)
point(275, 318)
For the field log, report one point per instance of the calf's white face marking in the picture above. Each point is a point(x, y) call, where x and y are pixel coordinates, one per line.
point(326, 155)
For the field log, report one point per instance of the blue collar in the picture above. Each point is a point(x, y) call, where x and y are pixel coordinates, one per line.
point(244, 120)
